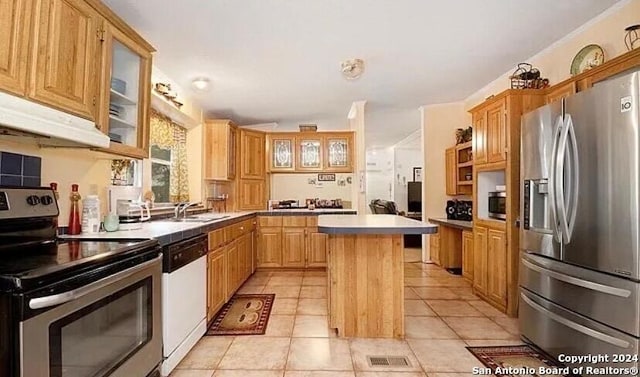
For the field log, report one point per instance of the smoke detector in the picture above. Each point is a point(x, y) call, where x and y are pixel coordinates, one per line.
point(352, 68)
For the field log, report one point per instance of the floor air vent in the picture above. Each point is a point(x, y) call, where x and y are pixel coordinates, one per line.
point(388, 361)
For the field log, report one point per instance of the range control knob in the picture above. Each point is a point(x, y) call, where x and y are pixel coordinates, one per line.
point(33, 200)
point(46, 200)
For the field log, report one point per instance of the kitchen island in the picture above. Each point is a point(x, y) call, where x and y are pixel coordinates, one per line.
point(366, 272)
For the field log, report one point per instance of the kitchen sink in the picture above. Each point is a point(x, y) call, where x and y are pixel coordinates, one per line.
point(197, 219)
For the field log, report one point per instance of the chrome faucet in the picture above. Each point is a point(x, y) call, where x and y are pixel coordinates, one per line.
point(182, 208)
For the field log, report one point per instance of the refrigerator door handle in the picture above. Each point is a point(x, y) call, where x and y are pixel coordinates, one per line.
point(573, 174)
point(552, 181)
point(566, 178)
point(576, 326)
point(574, 280)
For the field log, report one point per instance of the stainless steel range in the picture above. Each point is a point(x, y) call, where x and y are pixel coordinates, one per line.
point(580, 216)
point(74, 308)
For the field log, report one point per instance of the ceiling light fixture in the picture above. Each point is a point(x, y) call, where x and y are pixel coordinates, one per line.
point(352, 68)
point(201, 83)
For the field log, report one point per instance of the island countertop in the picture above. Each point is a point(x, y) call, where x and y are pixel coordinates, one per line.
point(373, 224)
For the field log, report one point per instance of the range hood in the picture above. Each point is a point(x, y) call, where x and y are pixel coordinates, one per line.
point(23, 118)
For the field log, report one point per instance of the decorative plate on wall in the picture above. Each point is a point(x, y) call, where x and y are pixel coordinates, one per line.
point(588, 57)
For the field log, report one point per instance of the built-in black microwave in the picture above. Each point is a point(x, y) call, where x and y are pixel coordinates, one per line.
point(498, 205)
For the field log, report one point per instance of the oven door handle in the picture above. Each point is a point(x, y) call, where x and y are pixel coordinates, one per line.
point(64, 297)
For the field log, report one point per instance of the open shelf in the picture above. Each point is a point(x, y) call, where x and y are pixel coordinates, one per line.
point(465, 183)
point(116, 122)
point(465, 164)
point(120, 99)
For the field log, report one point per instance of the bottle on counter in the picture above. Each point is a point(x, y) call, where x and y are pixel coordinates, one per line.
point(54, 188)
point(74, 214)
point(91, 214)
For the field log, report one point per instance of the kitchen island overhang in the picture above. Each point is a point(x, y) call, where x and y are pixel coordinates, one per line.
point(365, 269)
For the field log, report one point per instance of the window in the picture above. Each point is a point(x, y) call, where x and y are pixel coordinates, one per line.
point(161, 173)
point(168, 155)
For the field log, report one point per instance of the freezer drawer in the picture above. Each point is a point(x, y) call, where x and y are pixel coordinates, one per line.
point(558, 331)
point(605, 298)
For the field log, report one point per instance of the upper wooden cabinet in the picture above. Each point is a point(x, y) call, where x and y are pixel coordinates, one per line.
point(496, 124)
point(496, 132)
point(459, 169)
point(310, 152)
point(125, 93)
point(15, 22)
point(282, 154)
point(81, 58)
point(479, 137)
point(220, 146)
point(252, 194)
point(450, 171)
point(338, 150)
point(65, 67)
point(252, 161)
point(560, 91)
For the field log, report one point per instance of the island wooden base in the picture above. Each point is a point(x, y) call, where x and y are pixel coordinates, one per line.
point(366, 285)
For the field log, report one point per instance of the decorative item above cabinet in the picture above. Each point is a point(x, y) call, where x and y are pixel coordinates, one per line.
point(310, 152)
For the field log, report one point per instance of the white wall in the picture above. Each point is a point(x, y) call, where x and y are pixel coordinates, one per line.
point(379, 175)
point(439, 124)
point(356, 119)
point(297, 187)
point(606, 30)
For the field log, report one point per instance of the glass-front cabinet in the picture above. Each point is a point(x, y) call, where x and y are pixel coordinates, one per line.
point(126, 85)
point(310, 152)
point(282, 153)
point(338, 149)
point(306, 152)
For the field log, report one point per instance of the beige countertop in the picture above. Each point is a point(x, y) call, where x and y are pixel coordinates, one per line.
point(460, 224)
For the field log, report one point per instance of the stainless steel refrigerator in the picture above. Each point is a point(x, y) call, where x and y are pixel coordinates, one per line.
point(579, 216)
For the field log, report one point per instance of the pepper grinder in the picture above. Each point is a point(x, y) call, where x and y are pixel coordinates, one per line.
point(74, 214)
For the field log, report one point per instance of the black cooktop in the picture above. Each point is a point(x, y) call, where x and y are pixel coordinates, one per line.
point(33, 267)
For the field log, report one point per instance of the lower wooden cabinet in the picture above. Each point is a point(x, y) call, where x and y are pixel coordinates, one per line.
point(490, 264)
point(316, 248)
point(216, 281)
point(467, 255)
point(434, 248)
point(233, 268)
point(285, 241)
point(497, 266)
point(230, 262)
point(480, 259)
point(270, 247)
point(293, 247)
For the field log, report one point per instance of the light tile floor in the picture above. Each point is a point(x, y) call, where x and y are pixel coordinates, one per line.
point(442, 318)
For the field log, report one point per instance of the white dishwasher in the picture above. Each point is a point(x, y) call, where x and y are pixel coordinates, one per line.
point(184, 298)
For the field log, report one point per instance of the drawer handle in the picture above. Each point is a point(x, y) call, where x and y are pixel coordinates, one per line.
point(579, 282)
point(576, 326)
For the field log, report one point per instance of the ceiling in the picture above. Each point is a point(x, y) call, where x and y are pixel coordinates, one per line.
point(279, 60)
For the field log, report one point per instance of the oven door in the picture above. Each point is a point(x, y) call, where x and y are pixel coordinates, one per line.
point(109, 327)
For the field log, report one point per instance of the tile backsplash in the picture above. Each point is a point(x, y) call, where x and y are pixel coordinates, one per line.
point(20, 170)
